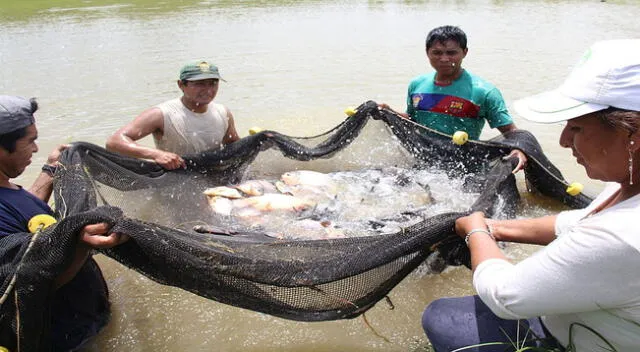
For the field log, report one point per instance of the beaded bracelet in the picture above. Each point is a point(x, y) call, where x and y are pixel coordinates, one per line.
point(488, 232)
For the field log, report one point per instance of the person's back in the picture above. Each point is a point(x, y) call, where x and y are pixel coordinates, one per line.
point(594, 244)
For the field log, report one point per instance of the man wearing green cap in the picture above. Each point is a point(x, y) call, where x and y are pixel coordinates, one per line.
point(187, 125)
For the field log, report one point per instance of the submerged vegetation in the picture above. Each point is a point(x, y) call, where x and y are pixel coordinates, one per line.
point(518, 345)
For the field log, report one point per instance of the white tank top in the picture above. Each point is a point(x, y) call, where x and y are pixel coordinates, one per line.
point(188, 132)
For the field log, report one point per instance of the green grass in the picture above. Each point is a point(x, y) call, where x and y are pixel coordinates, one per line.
point(518, 345)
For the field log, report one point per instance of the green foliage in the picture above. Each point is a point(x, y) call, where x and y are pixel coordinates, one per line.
point(518, 345)
point(571, 346)
point(516, 348)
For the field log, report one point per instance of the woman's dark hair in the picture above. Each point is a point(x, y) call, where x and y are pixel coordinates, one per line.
point(444, 33)
point(628, 120)
point(8, 140)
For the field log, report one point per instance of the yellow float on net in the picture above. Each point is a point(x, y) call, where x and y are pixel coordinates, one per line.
point(40, 222)
point(575, 188)
point(254, 130)
point(350, 111)
point(3, 349)
point(460, 137)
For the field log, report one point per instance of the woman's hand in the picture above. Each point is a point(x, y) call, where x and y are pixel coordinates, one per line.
point(480, 241)
point(467, 223)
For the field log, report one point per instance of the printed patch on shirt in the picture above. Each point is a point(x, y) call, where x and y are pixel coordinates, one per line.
point(445, 104)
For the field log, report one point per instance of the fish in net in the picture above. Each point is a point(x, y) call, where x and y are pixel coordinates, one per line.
point(176, 239)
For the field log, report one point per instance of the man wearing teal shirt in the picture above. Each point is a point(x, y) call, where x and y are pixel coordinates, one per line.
point(452, 99)
point(462, 105)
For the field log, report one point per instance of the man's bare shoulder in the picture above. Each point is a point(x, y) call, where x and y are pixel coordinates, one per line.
point(152, 112)
point(151, 117)
point(148, 121)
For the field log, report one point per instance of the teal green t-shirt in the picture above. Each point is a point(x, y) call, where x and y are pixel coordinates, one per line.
point(463, 105)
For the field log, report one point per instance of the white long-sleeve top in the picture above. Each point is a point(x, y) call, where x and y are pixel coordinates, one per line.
point(588, 277)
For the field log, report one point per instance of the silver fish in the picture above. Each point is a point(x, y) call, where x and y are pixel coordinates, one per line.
point(256, 187)
point(223, 191)
point(316, 186)
point(274, 202)
point(307, 177)
point(221, 205)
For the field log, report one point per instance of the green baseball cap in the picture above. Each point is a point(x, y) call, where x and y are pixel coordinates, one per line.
point(199, 70)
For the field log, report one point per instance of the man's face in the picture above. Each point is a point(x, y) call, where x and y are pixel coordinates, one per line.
point(14, 164)
point(201, 91)
point(446, 57)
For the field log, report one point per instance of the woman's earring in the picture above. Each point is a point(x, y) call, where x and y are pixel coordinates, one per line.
point(631, 143)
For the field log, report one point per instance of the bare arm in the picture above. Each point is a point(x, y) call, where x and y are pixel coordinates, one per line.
point(387, 107)
point(93, 236)
point(231, 135)
point(507, 128)
point(43, 185)
point(148, 122)
point(540, 231)
point(482, 247)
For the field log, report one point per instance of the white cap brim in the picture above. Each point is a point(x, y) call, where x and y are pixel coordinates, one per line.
point(553, 106)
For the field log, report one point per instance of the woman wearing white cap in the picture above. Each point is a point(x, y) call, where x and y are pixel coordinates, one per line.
point(582, 291)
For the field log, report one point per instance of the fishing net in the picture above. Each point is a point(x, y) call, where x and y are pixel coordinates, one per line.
point(177, 241)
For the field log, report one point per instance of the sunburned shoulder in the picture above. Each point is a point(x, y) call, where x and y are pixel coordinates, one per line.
point(154, 113)
point(148, 121)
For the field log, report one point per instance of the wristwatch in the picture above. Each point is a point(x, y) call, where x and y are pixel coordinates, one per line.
point(49, 169)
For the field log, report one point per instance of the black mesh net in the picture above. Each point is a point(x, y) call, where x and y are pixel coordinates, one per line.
point(176, 239)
